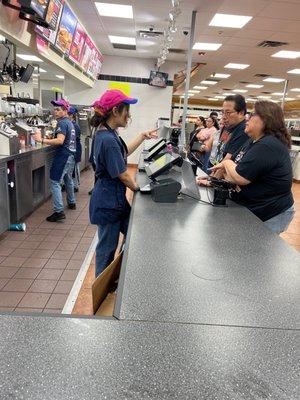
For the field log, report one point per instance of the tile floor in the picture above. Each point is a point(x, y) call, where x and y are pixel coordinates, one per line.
point(38, 267)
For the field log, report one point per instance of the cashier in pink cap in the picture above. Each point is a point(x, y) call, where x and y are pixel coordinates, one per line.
point(109, 208)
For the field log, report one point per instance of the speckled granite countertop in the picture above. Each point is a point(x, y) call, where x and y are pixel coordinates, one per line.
point(57, 358)
point(208, 304)
point(193, 263)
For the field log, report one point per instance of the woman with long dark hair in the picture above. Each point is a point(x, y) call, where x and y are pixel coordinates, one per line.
point(109, 208)
point(262, 169)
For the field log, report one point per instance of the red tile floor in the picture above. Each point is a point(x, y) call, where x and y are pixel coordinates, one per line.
point(38, 267)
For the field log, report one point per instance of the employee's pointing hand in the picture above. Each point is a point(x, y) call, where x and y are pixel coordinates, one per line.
point(150, 134)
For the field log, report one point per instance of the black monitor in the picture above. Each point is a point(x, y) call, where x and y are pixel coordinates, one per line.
point(25, 73)
point(150, 148)
point(162, 164)
point(159, 79)
point(155, 150)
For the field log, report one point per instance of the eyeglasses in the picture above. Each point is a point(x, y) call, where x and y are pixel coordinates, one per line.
point(250, 115)
point(227, 113)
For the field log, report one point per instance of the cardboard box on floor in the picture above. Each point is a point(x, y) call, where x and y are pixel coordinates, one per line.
point(103, 299)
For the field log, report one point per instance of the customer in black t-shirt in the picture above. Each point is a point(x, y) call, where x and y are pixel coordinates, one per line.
point(262, 168)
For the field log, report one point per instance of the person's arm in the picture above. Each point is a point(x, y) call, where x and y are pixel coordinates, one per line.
point(132, 146)
point(231, 174)
point(58, 141)
point(128, 181)
point(207, 146)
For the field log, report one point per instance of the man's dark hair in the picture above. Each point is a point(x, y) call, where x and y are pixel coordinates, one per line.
point(239, 102)
point(213, 114)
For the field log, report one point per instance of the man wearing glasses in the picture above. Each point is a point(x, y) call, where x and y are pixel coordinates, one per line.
point(233, 115)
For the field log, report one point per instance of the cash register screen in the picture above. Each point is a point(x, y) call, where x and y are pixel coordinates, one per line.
point(161, 164)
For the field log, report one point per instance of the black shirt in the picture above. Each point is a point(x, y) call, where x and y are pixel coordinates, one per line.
point(267, 165)
point(237, 138)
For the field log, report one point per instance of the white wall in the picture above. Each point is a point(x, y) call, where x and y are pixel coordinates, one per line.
point(153, 102)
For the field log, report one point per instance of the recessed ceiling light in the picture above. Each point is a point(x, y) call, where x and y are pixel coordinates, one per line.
point(229, 94)
point(60, 76)
point(114, 10)
point(264, 97)
point(35, 74)
point(295, 90)
point(294, 71)
point(220, 97)
point(191, 94)
point(251, 99)
point(194, 91)
point(278, 94)
point(207, 46)
point(287, 54)
point(240, 90)
point(209, 82)
point(289, 98)
point(200, 87)
point(229, 20)
point(274, 80)
point(212, 99)
point(2, 38)
point(122, 40)
point(28, 57)
point(237, 66)
point(254, 86)
point(220, 76)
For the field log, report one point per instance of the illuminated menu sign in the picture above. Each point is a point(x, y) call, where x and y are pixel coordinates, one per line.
point(66, 30)
point(52, 17)
point(77, 46)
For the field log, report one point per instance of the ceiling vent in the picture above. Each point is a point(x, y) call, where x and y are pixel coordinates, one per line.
point(150, 34)
point(177, 51)
point(124, 46)
point(262, 75)
point(270, 43)
point(266, 92)
point(227, 89)
point(244, 82)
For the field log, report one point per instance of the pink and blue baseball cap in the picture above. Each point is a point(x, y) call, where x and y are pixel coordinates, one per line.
point(111, 99)
point(61, 103)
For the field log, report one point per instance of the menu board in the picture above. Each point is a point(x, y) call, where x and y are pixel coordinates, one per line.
point(40, 7)
point(77, 46)
point(52, 17)
point(66, 30)
point(93, 60)
point(87, 53)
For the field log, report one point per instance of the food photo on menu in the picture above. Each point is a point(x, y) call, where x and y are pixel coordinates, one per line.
point(66, 30)
point(77, 44)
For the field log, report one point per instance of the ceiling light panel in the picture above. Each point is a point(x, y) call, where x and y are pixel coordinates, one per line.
point(278, 94)
point(287, 54)
point(207, 46)
point(209, 82)
point(28, 57)
point(221, 76)
point(295, 90)
point(212, 99)
point(229, 20)
point(200, 87)
point(122, 40)
point(194, 91)
point(294, 71)
point(114, 10)
point(60, 76)
point(253, 86)
point(237, 66)
point(264, 97)
point(240, 90)
point(274, 80)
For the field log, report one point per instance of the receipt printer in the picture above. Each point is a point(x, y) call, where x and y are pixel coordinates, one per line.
point(165, 190)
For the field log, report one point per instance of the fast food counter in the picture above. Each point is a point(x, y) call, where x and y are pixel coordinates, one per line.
point(207, 309)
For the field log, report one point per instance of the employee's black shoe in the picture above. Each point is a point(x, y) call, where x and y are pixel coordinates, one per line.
point(56, 216)
point(76, 190)
point(72, 206)
point(63, 188)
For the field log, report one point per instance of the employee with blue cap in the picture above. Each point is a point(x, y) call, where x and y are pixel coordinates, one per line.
point(63, 161)
point(73, 113)
point(109, 208)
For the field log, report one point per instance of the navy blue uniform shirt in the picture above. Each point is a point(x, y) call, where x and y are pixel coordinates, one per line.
point(65, 127)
